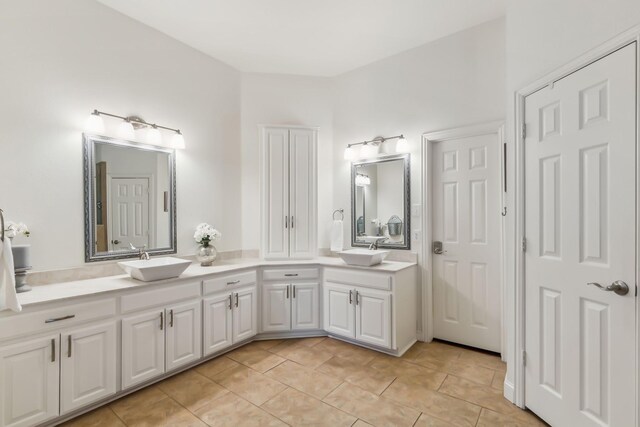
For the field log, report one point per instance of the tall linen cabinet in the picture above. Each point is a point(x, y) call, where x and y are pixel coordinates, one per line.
point(289, 192)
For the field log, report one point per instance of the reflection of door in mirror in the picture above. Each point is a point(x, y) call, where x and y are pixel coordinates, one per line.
point(360, 230)
point(129, 213)
point(101, 207)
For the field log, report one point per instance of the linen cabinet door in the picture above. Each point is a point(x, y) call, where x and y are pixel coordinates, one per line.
point(305, 306)
point(218, 323)
point(142, 347)
point(339, 311)
point(245, 314)
point(184, 334)
point(276, 307)
point(88, 365)
point(275, 201)
point(29, 380)
point(373, 317)
point(302, 209)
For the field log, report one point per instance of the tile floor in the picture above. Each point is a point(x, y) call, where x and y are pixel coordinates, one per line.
point(325, 382)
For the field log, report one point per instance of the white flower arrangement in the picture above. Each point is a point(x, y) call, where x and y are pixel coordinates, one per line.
point(12, 229)
point(206, 234)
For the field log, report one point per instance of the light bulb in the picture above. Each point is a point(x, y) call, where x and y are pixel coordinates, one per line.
point(368, 150)
point(153, 136)
point(126, 131)
point(402, 146)
point(177, 141)
point(94, 123)
point(349, 153)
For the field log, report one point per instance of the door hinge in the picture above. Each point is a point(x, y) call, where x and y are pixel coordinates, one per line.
point(524, 358)
point(524, 244)
point(524, 131)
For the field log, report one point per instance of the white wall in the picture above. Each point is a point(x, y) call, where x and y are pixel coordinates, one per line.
point(284, 100)
point(62, 59)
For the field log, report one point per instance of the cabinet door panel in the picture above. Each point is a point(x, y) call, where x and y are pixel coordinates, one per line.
point(276, 307)
point(218, 320)
point(373, 317)
point(29, 378)
point(305, 306)
point(339, 310)
point(275, 208)
point(88, 365)
point(184, 336)
point(142, 347)
point(245, 313)
point(302, 209)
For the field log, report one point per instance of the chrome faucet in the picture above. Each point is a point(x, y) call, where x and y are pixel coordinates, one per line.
point(142, 254)
point(374, 245)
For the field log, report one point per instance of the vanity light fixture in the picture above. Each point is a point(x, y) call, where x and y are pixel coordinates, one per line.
point(370, 148)
point(362, 180)
point(126, 130)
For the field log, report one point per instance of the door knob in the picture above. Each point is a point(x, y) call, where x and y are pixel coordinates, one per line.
point(115, 242)
point(619, 287)
point(437, 248)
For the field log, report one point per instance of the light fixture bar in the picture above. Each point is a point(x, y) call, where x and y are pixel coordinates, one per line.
point(379, 140)
point(135, 120)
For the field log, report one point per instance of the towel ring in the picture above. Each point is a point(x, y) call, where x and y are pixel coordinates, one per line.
point(341, 212)
point(1, 225)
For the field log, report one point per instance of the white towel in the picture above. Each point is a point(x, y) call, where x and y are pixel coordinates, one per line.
point(337, 236)
point(8, 296)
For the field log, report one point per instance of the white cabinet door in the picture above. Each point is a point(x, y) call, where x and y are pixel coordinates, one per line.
point(275, 193)
point(373, 317)
point(305, 306)
point(88, 365)
point(339, 311)
point(218, 321)
point(184, 334)
point(276, 307)
point(245, 314)
point(142, 347)
point(29, 379)
point(302, 188)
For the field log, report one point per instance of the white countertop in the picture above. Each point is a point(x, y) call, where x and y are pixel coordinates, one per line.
point(61, 291)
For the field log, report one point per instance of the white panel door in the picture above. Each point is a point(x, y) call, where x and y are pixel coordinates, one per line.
point(184, 334)
point(305, 306)
point(142, 347)
point(218, 323)
point(580, 162)
point(29, 381)
point(466, 219)
point(373, 317)
point(276, 307)
point(245, 314)
point(129, 213)
point(88, 365)
point(302, 210)
point(275, 193)
point(339, 310)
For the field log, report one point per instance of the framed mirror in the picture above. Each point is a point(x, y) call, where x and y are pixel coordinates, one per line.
point(380, 202)
point(129, 198)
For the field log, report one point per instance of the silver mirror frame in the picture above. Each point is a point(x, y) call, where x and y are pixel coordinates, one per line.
point(89, 171)
point(406, 158)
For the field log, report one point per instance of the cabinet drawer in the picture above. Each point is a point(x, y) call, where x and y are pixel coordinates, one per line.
point(357, 277)
point(55, 318)
point(162, 296)
point(289, 273)
point(229, 281)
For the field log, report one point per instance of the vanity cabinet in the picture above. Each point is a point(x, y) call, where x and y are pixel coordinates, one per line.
point(289, 192)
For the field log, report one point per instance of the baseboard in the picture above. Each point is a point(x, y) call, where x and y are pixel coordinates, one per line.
point(509, 391)
point(290, 334)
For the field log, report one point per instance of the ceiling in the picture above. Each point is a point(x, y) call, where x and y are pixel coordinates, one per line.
point(307, 37)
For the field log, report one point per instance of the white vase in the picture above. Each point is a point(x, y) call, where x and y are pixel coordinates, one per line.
point(206, 255)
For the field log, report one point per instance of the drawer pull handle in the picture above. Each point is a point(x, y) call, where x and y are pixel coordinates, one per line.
point(291, 275)
point(57, 319)
point(234, 282)
point(53, 349)
point(69, 346)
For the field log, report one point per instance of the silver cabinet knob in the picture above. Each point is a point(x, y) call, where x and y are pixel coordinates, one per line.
point(619, 287)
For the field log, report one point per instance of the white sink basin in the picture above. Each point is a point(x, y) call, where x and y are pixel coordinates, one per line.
point(155, 268)
point(363, 257)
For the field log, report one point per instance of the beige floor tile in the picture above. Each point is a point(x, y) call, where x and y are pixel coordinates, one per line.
point(310, 356)
point(140, 399)
point(213, 367)
point(498, 380)
point(231, 410)
point(165, 412)
point(429, 421)
point(251, 385)
point(304, 379)
point(101, 417)
point(419, 392)
point(259, 360)
point(266, 344)
point(397, 367)
point(490, 418)
point(361, 423)
point(477, 358)
point(299, 409)
point(357, 374)
point(191, 389)
point(485, 396)
point(370, 407)
point(349, 351)
point(475, 373)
